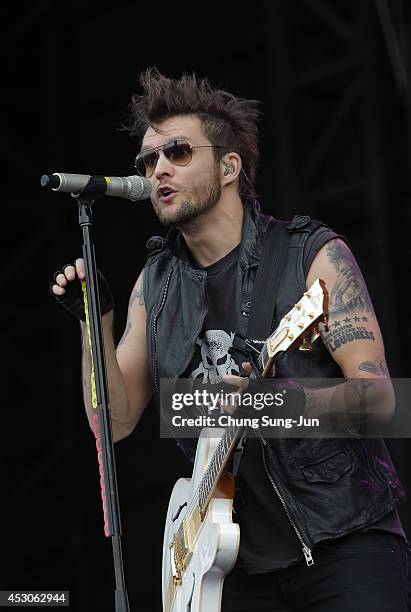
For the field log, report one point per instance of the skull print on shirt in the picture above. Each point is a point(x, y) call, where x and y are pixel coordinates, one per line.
point(216, 361)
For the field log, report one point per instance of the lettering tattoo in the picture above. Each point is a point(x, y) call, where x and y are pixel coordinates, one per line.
point(375, 367)
point(349, 293)
point(344, 332)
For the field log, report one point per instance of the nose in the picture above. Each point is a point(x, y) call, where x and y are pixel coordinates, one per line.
point(163, 166)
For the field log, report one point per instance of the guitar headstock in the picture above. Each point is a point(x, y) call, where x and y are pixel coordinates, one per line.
point(300, 324)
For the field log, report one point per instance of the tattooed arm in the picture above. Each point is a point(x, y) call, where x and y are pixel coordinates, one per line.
point(354, 338)
point(128, 376)
point(132, 354)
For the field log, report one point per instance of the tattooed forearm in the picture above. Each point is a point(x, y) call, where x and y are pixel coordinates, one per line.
point(349, 292)
point(341, 332)
point(374, 367)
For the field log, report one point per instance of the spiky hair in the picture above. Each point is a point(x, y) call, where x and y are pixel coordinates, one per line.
point(227, 121)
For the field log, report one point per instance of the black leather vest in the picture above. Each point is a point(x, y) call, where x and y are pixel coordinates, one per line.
point(331, 486)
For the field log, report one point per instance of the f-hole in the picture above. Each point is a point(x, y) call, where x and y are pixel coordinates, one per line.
point(177, 514)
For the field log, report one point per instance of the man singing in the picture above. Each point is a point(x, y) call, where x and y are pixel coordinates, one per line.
point(327, 537)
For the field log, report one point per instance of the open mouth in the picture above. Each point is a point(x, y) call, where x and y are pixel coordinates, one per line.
point(166, 194)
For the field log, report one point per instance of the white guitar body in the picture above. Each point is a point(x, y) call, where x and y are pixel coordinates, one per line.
point(214, 546)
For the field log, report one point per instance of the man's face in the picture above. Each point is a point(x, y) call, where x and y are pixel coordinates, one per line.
point(195, 188)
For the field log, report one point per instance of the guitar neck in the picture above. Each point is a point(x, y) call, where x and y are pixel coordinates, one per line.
point(226, 446)
point(217, 465)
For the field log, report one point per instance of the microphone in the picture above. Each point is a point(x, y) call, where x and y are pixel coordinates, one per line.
point(131, 187)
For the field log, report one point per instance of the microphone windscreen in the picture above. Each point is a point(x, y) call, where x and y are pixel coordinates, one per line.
point(140, 188)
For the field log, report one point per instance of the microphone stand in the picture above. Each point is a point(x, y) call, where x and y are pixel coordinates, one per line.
point(94, 190)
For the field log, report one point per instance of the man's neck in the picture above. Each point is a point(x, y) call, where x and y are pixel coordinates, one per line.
point(215, 233)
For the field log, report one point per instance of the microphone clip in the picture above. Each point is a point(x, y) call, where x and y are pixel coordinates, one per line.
point(92, 191)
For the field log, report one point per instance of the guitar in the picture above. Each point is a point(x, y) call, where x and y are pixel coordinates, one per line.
point(201, 542)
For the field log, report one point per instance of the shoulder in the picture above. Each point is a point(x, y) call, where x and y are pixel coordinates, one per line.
point(328, 258)
point(156, 248)
point(312, 234)
point(337, 266)
point(320, 236)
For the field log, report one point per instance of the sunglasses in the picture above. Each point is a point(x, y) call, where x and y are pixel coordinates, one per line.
point(178, 152)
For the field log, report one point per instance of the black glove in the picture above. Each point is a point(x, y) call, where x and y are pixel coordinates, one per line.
point(73, 299)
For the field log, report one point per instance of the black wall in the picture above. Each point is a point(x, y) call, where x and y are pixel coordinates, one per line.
point(334, 83)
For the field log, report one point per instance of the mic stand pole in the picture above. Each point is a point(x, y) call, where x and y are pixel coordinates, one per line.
point(94, 190)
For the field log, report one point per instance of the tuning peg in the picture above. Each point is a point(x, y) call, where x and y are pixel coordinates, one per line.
point(325, 321)
point(305, 346)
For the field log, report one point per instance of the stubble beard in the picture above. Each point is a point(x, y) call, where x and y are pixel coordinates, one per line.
point(202, 197)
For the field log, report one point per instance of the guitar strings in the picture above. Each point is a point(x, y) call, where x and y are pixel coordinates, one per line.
point(213, 468)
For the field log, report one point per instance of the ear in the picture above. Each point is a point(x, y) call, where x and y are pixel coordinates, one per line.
point(230, 167)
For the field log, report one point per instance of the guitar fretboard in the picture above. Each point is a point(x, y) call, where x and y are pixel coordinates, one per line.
point(224, 448)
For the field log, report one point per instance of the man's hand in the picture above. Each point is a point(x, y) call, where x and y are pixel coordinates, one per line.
point(293, 394)
point(240, 383)
point(68, 291)
point(69, 273)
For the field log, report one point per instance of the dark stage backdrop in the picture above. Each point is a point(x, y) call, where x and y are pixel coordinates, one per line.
point(334, 83)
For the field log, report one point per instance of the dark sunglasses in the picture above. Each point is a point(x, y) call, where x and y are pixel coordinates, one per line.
point(178, 152)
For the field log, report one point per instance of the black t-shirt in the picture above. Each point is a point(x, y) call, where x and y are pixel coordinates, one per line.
point(267, 539)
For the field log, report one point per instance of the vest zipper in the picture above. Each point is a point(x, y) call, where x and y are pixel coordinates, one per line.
point(160, 308)
point(306, 549)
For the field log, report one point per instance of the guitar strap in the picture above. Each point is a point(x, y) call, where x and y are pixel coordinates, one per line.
point(264, 297)
point(267, 281)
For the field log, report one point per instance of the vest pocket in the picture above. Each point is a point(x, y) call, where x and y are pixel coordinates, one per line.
point(328, 469)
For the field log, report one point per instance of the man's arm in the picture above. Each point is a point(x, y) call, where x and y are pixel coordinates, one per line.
point(354, 338)
point(128, 377)
point(129, 382)
point(132, 356)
